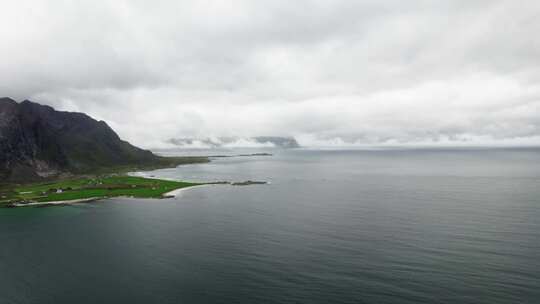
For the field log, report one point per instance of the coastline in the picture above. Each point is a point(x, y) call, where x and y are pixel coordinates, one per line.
point(53, 203)
point(170, 194)
point(93, 189)
point(108, 185)
point(176, 192)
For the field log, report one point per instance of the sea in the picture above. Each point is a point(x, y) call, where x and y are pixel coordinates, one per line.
point(331, 226)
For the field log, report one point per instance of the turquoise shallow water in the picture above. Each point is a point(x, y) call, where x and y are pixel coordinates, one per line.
point(439, 226)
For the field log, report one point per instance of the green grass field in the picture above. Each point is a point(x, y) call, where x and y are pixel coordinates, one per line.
point(81, 188)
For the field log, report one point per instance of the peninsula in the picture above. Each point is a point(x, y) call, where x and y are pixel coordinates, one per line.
point(87, 189)
point(55, 156)
point(50, 157)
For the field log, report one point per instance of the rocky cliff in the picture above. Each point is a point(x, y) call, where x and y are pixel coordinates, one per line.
point(37, 141)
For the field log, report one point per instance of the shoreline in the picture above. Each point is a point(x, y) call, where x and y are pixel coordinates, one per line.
point(53, 203)
point(170, 194)
point(166, 195)
point(175, 192)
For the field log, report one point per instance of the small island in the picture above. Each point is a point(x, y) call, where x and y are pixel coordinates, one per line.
point(248, 183)
point(88, 189)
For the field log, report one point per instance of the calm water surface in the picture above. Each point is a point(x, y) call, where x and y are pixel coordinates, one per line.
point(446, 226)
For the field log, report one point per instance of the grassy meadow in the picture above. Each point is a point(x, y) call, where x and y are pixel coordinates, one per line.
point(83, 188)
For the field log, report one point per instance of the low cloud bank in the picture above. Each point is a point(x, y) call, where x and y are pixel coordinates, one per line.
point(234, 142)
point(349, 73)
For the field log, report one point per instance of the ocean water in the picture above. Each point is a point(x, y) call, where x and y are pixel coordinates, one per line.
point(395, 226)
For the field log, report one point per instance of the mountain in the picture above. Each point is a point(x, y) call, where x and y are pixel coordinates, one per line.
point(36, 142)
point(237, 142)
point(281, 142)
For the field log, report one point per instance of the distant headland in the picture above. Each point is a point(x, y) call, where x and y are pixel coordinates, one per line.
point(282, 142)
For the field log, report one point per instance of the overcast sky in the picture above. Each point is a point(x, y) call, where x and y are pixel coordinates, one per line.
point(328, 72)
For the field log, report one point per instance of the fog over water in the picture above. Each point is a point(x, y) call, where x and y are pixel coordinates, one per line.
point(331, 73)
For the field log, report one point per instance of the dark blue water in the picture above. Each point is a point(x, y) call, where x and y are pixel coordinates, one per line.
point(454, 226)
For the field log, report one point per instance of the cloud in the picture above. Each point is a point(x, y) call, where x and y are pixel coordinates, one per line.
point(329, 72)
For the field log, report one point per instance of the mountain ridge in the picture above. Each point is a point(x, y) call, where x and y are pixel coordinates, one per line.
point(38, 142)
point(285, 142)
